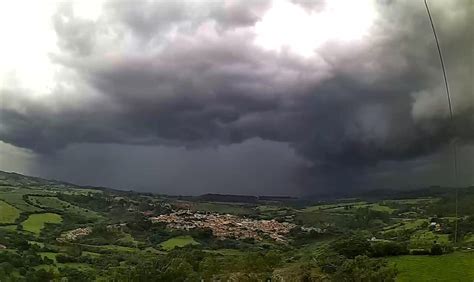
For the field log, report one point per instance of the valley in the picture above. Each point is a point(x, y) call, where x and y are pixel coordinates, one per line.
point(54, 231)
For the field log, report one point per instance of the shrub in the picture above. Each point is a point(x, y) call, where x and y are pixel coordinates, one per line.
point(352, 246)
point(384, 249)
point(436, 250)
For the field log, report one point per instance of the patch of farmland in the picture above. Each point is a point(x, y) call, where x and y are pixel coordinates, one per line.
point(424, 239)
point(55, 203)
point(16, 199)
point(457, 266)
point(9, 227)
point(179, 241)
point(333, 206)
point(36, 222)
point(8, 213)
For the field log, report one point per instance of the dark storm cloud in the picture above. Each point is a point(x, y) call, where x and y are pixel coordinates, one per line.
point(232, 169)
point(189, 74)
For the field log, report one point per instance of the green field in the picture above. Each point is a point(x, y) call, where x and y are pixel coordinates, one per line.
point(111, 248)
point(424, 239)
point(179, 241)
point(16, 199)
point(9, 227)
point(36, 222)
point(458, 266)
point(8, 213)
point(55, 203)
point(414, 201)
point(381, 208)
point(332, 206)
point(412, 225)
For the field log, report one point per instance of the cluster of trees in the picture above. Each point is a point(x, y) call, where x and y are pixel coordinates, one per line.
point(354, 246)
point(92, 201)
point(22, 261)
point(194, 265)
point(367, 217)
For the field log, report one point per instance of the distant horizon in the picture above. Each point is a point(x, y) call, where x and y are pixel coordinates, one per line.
point(334, 196)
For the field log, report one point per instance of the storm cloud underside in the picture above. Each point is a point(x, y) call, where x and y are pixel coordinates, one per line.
point(163, 84)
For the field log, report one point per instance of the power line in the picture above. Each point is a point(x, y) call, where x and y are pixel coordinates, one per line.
point(455, 161)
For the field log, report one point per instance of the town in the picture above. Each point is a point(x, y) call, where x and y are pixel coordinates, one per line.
point(227, 225)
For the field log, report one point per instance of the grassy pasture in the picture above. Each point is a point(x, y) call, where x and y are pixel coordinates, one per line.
point(424, 239)
point(340, 207)
point(55, 203)
point(8, 213)
point(16, 199)
point(110, 248)
point(36, 222)
point(9, 227)
point(405, 225)
point(414, 201)
point(333, 206)
point(179, 241)
point(458, 266)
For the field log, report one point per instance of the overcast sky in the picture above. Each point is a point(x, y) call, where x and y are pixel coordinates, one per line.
point(243, 97)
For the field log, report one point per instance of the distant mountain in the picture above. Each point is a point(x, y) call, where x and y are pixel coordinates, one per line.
point(14, 179)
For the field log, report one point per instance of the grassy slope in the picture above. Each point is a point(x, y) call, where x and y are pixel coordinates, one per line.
point(8, 213)
point(35, 222)
point(458, 266)
point(56, 203)
point(179, 241)
point(15, 198)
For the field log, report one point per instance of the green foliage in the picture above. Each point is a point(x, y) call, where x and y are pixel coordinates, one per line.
point(367, 217)
point(385, 249)
point(126, 246)
point(40, 275)
point(76, 275)
point(436, 250)
point(362, 268)
point(352, 246)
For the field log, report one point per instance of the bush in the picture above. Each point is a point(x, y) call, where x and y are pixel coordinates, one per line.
point(65, 258)
point(352, 246)
point(363, 268)
point(385, 249)
point(436, 250)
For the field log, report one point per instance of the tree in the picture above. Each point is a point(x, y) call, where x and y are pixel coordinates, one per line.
point(40, 275)
point(352, 246)
point(76, 275)
point(436, 250)
point(383, 249)
point(362, 268)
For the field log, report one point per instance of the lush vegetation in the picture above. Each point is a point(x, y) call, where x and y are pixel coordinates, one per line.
point(52, 231)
